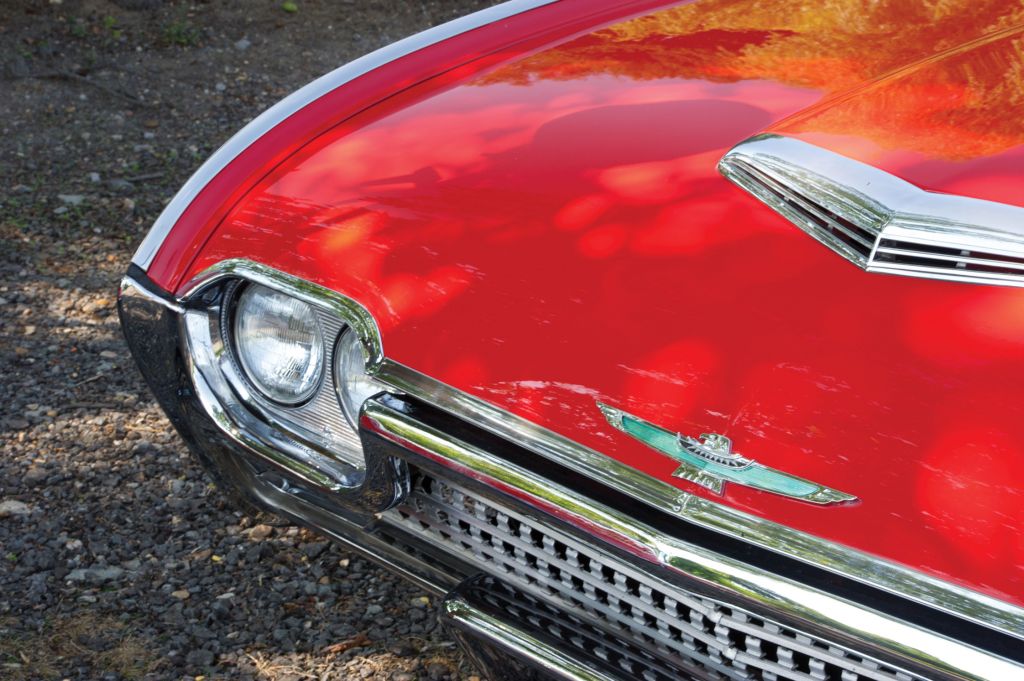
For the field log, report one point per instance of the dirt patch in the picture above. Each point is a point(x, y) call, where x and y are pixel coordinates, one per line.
point(75, 641)
point(117, 558)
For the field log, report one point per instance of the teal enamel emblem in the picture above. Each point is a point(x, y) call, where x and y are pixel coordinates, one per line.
point(710, 462)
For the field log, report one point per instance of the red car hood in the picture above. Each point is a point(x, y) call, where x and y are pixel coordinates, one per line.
point(552, 232)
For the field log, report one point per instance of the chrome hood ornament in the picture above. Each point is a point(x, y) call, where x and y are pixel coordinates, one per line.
point(878, 221)
point(710, 461)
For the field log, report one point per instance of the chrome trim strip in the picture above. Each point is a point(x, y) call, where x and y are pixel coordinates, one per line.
point(776, 593)
point(556, 665)
point(1007, 264)
point(837, 200)
point(940, 274)
point(259, 126)
point(842, 560)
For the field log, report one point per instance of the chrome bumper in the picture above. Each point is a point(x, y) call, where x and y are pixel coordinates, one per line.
point(866, 617)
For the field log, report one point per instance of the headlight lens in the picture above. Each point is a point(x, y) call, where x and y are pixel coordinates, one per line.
point(279, 344)
point(355, 386)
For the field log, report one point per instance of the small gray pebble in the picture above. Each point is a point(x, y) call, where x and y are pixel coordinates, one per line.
point(199, 658)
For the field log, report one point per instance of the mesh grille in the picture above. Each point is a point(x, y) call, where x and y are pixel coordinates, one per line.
point(677, 630)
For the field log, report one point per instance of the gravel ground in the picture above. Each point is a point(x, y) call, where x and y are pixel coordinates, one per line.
point(118, 560)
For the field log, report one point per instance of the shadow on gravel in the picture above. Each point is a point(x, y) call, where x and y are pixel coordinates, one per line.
point(118, 560)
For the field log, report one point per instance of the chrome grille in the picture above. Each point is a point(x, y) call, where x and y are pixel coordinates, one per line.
point(893, 255)
point(679, 630)
point(600, 648)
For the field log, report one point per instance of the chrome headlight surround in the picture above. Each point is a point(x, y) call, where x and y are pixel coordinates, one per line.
point(311, 439)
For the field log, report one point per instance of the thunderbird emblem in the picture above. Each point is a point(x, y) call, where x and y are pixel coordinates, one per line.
point(710, 461)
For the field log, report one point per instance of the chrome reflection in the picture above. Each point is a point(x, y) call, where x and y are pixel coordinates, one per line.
point(878, 221)
point(270, 441)
point(468, 623)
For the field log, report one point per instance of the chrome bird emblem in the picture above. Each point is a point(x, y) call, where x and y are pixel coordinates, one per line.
point(710, 461)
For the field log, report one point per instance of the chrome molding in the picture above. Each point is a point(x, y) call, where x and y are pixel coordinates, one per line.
point(878, 221)
point(850, 563)
point(130, 288)
point(234, 419)
point(300, 98)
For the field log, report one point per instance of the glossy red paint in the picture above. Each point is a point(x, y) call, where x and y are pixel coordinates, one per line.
point(446, 63)
point(552, 231)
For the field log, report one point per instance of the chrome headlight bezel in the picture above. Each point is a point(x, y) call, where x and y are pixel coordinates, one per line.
point(325, 445)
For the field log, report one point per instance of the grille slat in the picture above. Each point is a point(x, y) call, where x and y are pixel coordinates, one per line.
point(940, 272)
point(617, 652)
point(967, 257)
point(912, 255)
point(819, 216)
point(676, 628)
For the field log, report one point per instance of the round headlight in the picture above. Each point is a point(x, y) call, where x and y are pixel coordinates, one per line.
point(279, 345)
point(355, 386)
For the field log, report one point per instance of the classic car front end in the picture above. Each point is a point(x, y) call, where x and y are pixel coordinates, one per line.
point(579, 315)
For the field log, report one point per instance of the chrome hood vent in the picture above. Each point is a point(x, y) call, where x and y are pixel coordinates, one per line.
point(878, 221)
